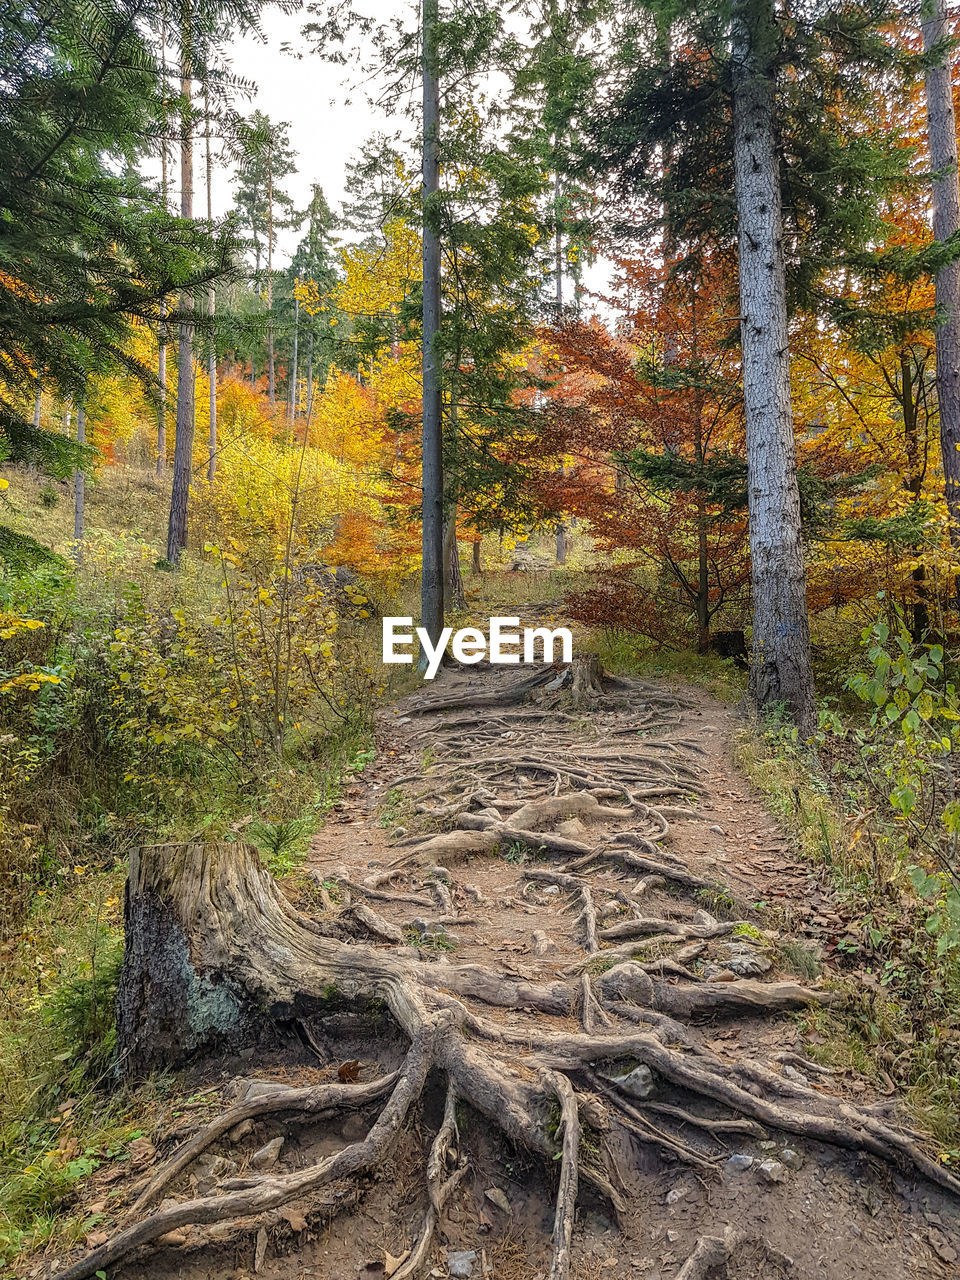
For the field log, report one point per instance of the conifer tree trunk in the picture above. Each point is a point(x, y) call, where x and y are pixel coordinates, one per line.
point(79, 485)
point(38, 405)
point(942, 132)
point(162, 406)
point(455, 596)
point(162, 334)
point(309, 374)
point(431, 605)
point(295, 363)
point(183, 448)
point(780, 670)
point(211, 311)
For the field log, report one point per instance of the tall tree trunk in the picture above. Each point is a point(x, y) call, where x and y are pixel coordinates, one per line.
point(561, 542)
point(294, 369)
point(942, 132)
point(477, 563)
point(79, 484)
point(703, 581)
point(431, 605)
point(162, 406)
point(38, 405)
point(309, 374)
point(916, 466)
point(557, 238)
point(211, 311)
point(183, 448)
point(271, 363)
point(162, 334)
point(780, 670)
point(454, 594)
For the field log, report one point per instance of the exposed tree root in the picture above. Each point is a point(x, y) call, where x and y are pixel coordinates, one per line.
point(440, 1184)
point(711, 1252)
point(267, 1100)
point(239, 1197)
point(222, 954)
point(569, 1172)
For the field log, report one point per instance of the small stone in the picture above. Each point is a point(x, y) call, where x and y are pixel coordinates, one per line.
point(460, 1264)
point(704, 920)
point(267, 1156)
point(571, 827)
point(673, 1236)
point(792, 1159)
point(772, 1171)
point(637, 1083)
point(791, 1073)
point(552, 889)
point(738, 1163)
point(399, 832)
point(767, 1146)
point(717, 831)
point(627, 981)
point(542, 945)
point(677, 1194)
point(497, 1197)
point(745, 961)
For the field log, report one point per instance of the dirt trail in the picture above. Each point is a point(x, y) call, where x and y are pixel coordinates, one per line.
point(568, 874)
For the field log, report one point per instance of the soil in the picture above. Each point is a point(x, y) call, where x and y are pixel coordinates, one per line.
point(821, 1211)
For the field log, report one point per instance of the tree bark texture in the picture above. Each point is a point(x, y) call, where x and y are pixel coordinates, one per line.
point(431, 603)
point(942, 133)
point(781, 671)
point(186, 418)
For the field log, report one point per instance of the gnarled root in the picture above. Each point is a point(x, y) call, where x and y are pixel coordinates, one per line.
point(440, 1184)
point(569, 1172)
point(216, 954)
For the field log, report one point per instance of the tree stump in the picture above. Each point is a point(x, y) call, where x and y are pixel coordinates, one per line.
point(174, 999)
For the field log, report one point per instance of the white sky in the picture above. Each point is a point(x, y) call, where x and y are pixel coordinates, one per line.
point(311, 94)
point(329, 116)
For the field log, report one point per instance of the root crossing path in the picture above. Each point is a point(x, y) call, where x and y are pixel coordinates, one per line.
point(540, 1017)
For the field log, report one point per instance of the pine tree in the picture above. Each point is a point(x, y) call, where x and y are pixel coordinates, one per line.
point(80, 100)
point(264, 159)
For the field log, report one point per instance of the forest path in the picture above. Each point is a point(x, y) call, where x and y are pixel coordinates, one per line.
point(836, 1215)
point(585, 878)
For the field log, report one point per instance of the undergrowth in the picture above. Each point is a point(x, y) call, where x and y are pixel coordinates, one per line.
point(625, 654)
point(899, 1025)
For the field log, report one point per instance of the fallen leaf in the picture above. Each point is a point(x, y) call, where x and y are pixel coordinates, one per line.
point(348, 1072)
point(142, 1151)
point(497, 1197)
point(390, 1263)
point(295, 1218)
